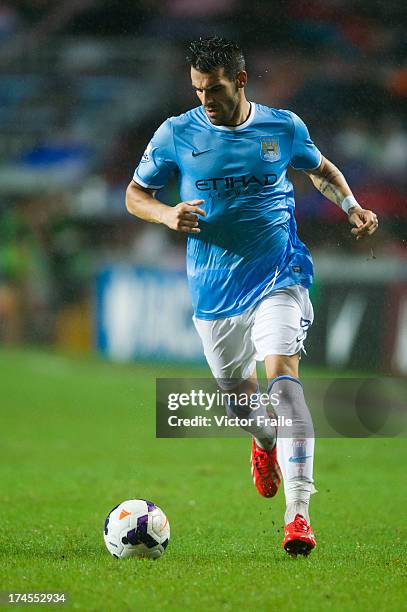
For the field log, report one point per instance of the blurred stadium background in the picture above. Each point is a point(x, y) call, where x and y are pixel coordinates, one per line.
point(83, 85)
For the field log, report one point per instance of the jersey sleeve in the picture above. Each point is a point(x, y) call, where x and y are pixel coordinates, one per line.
point(305, 155)
point(159, 159)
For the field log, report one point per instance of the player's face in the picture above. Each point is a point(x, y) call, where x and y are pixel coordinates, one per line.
point(219, 95)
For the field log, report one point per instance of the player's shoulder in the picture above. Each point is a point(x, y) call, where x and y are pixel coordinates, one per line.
point(179, 128)
point(276, 115)
point(190, 116)
point(193, 117)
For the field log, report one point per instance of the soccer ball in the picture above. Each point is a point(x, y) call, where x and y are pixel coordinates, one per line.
point(136, 528)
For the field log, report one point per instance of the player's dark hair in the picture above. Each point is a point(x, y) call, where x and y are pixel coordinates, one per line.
point(207, 54)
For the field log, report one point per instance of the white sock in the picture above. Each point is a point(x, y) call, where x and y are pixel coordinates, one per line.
point(295, 446)
point(297, 495)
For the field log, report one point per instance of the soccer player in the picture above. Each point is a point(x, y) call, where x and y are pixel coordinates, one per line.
point(247, 270)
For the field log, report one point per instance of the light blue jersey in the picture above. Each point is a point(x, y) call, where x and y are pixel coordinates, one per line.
point(248, 244)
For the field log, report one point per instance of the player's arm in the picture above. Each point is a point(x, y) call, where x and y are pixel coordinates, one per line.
point(156, 166)
point(329, 180)
point(141, 203)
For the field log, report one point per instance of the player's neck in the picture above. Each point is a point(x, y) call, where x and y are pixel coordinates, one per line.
point(241, 114)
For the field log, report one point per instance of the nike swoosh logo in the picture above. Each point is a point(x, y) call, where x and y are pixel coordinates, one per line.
point(301, 459)
point(196, 153)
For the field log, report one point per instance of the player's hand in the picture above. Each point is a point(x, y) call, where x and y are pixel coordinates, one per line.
point(184, 216)
point(365, 222)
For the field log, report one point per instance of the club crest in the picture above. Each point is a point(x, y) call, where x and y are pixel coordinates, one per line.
point(269, 148)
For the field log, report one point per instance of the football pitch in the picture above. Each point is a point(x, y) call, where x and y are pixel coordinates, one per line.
point(78, 437)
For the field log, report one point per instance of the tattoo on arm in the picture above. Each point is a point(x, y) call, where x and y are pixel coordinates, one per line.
point(332, 185)
point(330, 191)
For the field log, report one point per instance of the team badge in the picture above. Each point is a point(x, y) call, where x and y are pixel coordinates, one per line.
point(269, 148)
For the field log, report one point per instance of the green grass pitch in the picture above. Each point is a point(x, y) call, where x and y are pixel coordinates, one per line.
point(78, 437)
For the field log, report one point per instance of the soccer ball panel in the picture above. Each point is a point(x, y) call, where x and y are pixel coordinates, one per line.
point(136, 528)
point(160, 527)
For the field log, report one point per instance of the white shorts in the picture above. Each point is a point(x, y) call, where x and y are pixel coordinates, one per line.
point(278, 325)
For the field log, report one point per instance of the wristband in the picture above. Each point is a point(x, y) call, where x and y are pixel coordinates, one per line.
point(348, 203)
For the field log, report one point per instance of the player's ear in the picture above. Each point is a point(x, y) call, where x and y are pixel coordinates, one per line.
point(241, 79)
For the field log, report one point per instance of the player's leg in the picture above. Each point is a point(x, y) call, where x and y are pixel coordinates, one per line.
point(242, 404)
point(279, 332)
point(295, 443)
point(265, 470)
point(230, 354)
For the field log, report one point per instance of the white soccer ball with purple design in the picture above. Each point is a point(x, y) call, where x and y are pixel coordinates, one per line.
point(136, 528)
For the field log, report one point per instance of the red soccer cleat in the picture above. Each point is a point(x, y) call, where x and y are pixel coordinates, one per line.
point(265, 470)
point(299, 538)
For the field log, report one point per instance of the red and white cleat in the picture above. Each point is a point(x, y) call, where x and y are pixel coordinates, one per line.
point(265, 470)
point(299, 538)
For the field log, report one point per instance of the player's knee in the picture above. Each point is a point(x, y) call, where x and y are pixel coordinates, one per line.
point(238, 386)
point(281, 365)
